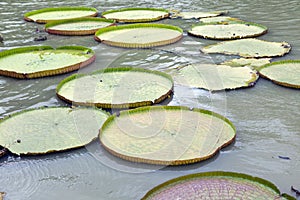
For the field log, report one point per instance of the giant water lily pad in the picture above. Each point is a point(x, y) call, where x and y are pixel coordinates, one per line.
point(228, 30)
point(59, 13)
point(79, 26)
point(45, 130)
point(197, 15)
point(139, 35)
point(218, 19)
point(136, 14)
point(249, 48)
point(250, 62)
point(216, 77)
point(217, 185)
point(285, 73)
point(38, 61)
point(166, 135)
point(117, 88)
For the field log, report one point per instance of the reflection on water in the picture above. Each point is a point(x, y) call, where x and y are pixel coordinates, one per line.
point(266, 116)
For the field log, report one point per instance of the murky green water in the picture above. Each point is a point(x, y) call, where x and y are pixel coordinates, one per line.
point(266, 116)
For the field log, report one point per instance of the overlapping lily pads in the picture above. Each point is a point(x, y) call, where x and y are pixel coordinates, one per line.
point(46, 130)
point(285, 73)
point(39, 61)
point(216, 77)
point(166, 135)
point(79, 26)
point(249, 48)
point(216, 185)
point(198, 14)
point(116, 88)
point(228, 30)
point(136, 14)
point(250, 62)
point(139, 35)
point(59, 13)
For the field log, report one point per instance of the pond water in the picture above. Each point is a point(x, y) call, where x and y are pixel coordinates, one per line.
point(266, 116)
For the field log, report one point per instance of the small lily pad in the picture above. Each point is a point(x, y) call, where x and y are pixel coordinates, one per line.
point(136, 14)
point(250, 62)
point(79, 26)
point(285, 73)
point(45, 130)
point(218, 19)
point(216, 185)
point(216, 77)
point(249, 48)
point(139, 35)
point(197, 15)
point(59, 13)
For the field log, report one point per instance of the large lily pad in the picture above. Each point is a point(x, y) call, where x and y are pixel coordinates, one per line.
point(218, 19)
point(59, 13)
point(249, 48)
point(136, 14)
point(46, 130)
point(285, 73)
point(197, 15)
point(139, 35)
point(228, 30)
point(117, 88)
point(250, 62)
point(216, 77)
point(39, 61)
point(217, 185)
point(79, 26)
point(166, 135)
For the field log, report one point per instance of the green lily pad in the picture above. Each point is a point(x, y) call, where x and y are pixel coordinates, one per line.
point(79, 26)
point(249, 48)
point(219, 19)
point(59, 13)
point(39, 61)
point(166, 135)
point(216, 77)
point(217, 185)
point(139, 35)
point(197, 15)
point(227, 30)
point(40, 131)
point(285, 73)
point(116, 88)
point(136, 14)
point(254, 63)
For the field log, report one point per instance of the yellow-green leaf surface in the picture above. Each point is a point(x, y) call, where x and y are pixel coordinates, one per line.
point(45, 130)
point(250, 62)
point(217, 185)
point(229, 30)
point(166, 135)
point(139, 35)
point(117, 88)
point(218, 19)
point(249, 48)
point(197, 15)
point(79, 26)
point(286, 73)
point(216, 77)
point(59, 13)
point(38, 61)
point(136, 14)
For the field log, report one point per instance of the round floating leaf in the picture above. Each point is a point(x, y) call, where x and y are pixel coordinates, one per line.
point(117, 88)
point(166, 135)
point(249, 48)
point(227, 30)
point(216, 77)
point(139, 35)
point(197, 15)
point(250, 62)
point(285, 73)
point(217, 185)
point(39, 61)
point(218, 19)
point(45, 130)
point(136, 14)
point(59, 13)
point(79, 26)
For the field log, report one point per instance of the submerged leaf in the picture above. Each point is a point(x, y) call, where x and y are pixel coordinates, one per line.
point(218, 19)
point(250, 62)
point(197, 15)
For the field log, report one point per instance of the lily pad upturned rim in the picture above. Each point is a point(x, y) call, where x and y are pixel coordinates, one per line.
point(229, 23)
point(164, 162)
point(120, 106)
point(278, 63)
point(135, 26)
point(76, 32)
point(44, 73)
point(41, 21)
point(137, 20)
point(216, 174)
